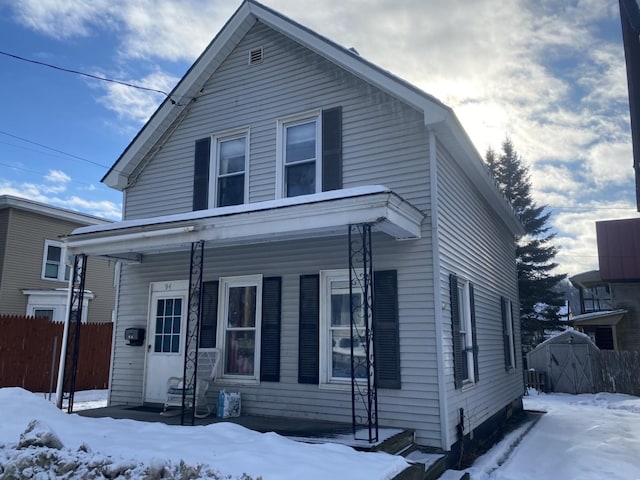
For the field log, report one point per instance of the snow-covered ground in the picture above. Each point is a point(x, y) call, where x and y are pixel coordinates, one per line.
point(584, 437)
point(104, 447)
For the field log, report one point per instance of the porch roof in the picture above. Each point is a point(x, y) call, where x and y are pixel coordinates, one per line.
point(609, 317)
point(322, 214)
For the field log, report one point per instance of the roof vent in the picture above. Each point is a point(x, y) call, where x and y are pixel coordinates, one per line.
point(256, 56)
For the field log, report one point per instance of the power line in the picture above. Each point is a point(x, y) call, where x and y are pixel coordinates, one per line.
point(53, 149)
point(40, 173)
point(84, 74)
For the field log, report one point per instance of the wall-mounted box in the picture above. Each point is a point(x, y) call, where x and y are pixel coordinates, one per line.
point(134, 336)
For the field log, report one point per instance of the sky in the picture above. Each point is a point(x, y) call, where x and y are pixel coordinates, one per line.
point(588, 436)
point(550, 75)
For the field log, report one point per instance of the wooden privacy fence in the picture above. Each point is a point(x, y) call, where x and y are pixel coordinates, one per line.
point(601, 371)
point(27, 347)
point(618, 372)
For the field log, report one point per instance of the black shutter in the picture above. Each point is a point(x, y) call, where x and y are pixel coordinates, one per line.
point(201, 174)
point(270, 337)
point(474, 338)
point(385, 329)
point(455, 331)
point(505, 332)
point(209, 314)
point(332, 149)
point(309, 330)
point(513, 332)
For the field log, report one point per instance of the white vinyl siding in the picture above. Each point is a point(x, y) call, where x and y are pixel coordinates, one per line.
point(477, 246)
point(384, 142)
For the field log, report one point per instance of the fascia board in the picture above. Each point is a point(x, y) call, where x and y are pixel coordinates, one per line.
point(385, 211)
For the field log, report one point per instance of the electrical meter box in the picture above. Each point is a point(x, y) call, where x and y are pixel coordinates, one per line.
point(134, 336)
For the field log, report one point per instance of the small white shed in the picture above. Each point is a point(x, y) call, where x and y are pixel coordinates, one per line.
point(568, 362)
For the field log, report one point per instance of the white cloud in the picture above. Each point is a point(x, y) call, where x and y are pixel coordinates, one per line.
point(58, 176)
point(577, 237)
point(67, 18)
point(45, 193)
point(137, 105)
point(541, 73)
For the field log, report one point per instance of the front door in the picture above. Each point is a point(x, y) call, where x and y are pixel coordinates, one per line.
point(165, 341)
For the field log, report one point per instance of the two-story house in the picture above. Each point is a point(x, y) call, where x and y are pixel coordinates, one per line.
point(326, 225)
point(34, 267)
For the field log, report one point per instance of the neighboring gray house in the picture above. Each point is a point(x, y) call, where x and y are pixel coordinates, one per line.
point(610, 296)
point(281, 151)
point(34, 275)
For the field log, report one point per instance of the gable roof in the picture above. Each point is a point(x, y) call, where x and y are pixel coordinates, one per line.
point(437, 116)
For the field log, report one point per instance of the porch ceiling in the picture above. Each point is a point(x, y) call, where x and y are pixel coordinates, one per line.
point(309, 216)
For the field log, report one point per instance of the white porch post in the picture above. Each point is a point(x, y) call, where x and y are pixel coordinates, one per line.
point(63, 348)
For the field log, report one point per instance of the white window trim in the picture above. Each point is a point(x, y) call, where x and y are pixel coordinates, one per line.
point(223, 288)
point(55, 300)
point(464, 296)
point(63, 258)
point(511, 334)
point(325, 355)
point(214, 162)
point(284, 122)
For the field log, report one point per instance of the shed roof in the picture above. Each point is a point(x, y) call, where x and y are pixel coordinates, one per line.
point(567, 337)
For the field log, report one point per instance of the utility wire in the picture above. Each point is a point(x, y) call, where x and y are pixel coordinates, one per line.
point(89, 75)
point(53, 149)
point(42, 174)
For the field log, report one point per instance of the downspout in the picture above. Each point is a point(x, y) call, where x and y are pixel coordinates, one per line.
point(437, 296)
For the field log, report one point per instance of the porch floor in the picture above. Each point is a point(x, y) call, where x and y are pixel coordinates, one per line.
point(301, 429)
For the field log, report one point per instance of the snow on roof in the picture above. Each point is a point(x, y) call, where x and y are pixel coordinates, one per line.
point(568, 336)
point(236, 209)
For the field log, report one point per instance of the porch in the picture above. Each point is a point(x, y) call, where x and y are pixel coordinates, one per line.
point(154, 250)
point(391, 440)
point(395, 441)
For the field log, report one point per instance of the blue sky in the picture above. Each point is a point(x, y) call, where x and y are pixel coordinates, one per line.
point(549, 74)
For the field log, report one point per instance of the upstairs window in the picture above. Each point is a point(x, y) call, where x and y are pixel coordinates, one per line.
point(299, 156)
point(53, 264)
point(229, 185)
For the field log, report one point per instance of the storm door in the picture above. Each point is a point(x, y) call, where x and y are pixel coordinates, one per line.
point(165, 338)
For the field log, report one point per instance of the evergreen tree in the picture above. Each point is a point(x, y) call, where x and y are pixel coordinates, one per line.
point(540, 299)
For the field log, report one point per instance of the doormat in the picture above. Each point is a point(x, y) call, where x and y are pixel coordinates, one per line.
point(146, 408)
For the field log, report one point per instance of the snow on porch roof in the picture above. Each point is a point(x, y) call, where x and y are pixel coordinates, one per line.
point(609, 317)
point(321, 214)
